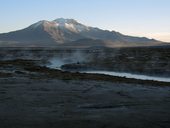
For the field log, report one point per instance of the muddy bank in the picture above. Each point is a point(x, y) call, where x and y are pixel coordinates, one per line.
point(32, 69)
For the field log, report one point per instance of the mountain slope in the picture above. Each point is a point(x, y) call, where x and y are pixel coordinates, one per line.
point(69, 32)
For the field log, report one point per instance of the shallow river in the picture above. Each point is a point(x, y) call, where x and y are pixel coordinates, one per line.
point(130, 75)
point(58, 64)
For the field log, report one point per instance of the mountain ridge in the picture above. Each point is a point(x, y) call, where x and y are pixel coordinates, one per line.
point(63, 31)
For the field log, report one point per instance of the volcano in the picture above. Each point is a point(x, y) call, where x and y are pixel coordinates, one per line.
point(70, 33)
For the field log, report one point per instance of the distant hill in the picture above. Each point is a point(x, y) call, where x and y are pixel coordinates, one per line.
point(70, 33)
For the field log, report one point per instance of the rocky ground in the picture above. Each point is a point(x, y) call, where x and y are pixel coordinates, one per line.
point(34, 96)
point(51, 103)
point(149, 61)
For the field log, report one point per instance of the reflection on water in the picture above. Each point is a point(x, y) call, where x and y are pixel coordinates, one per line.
point(129, 75)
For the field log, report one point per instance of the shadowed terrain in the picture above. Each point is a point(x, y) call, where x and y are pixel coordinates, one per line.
point(35, 96)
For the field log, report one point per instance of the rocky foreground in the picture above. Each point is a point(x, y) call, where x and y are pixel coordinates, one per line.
point(32, 96)
point(51, 103)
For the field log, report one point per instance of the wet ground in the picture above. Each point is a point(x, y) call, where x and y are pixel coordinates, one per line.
point(34, 96)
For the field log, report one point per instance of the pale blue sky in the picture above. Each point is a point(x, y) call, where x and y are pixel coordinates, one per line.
point(149, 18)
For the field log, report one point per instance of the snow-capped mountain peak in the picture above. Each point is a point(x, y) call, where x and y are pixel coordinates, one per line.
point(70, 24)
point(39, 23)
point(64, 21)
point(61, 31)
